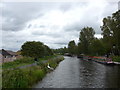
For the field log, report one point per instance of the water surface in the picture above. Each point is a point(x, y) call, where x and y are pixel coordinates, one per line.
point(76, 73)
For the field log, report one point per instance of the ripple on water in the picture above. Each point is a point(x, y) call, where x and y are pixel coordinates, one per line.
point(76, 73)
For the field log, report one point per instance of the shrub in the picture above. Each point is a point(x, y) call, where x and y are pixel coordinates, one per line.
point(116, 58)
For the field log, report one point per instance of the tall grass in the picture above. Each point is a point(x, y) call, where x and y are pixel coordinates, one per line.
point(25, 78)
point(22, 78)
point(54, 62)
point(19, 62)
point(24, 61)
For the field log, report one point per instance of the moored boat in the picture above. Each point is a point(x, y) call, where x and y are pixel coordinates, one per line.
point(103, 60)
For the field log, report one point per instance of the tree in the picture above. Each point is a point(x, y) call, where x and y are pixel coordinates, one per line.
point(85, 38)
point(35, 49)
point(111, 31)
point(96, 47)
point(61, 50)
point(47, 51)
point(72, 47)
point(80, 49)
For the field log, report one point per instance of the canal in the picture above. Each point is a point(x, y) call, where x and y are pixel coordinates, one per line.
point(76, 73)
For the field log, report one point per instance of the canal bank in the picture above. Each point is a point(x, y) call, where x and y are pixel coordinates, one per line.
point(78, 73)
point(27, 76)
point(101, 59)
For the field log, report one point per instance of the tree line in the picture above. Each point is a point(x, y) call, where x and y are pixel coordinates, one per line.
point(90, 45)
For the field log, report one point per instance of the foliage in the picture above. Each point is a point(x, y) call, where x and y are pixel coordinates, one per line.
point(79, 49)
point(35, 49)
point(96, 47)
point(54, 62)
point(85, 38)
point(47, 57)
point(111, 32)
point(116, 58)
point(110, 43)
point(24, 61)
point(32, 49)
point(24, 78)
point(47, 51)
point(72, 47)
point(61, 50)
point(19, 62)
point(14, 79)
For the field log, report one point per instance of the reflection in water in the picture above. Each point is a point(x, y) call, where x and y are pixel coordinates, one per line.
point(76, 73)
point(112, 75)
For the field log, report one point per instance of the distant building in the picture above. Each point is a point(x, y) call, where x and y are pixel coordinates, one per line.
point(7, 56)
point(119, 5)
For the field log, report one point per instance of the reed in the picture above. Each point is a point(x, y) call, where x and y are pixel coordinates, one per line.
point(27, 77)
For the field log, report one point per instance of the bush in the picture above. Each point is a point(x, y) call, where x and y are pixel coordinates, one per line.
point(116, 58)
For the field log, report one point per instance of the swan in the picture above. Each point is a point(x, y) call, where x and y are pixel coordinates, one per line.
point(50, 67)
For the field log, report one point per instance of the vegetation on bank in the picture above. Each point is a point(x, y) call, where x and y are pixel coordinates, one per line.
point(17, 63)
point(24, 61)
point(27, 77)
point(116, 58)
point(22, 78)
point(13, 76)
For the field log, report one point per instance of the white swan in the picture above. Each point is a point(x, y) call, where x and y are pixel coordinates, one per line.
point(50, 67)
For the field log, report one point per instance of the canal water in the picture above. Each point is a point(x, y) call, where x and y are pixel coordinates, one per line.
point(77, 73)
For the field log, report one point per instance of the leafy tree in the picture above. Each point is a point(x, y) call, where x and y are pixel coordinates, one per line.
point(79, 49)
point(65, 50)
point(85, 38)
point(61, 50)
point(35, 49)
point(47, 51)
point(96, 47)
point(111, 31)
point(72, 47)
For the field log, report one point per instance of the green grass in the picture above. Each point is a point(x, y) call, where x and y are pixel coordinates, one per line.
point(116, 58)
point(54, 62)
point(47, 57)
point(24, 61)
point(27, 77)
point(22, 78)
point(17, 63)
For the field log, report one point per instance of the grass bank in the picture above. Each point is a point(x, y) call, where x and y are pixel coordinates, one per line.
point(24, 61)
point(17, 63)
point(27, 77)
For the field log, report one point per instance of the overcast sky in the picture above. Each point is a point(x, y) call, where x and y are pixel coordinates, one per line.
point(53, 23)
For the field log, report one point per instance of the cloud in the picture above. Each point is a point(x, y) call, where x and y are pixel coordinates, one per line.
point(53, 23)
point(16, 15)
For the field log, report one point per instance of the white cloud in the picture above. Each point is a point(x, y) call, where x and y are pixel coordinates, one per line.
point(54, 24)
